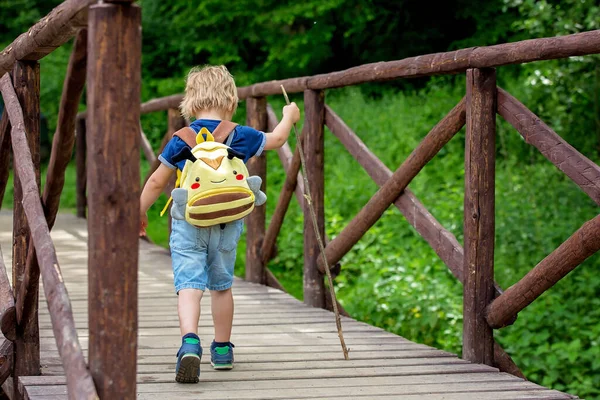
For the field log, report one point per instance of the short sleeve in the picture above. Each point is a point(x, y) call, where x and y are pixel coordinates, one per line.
point(174, 146)
point(249, 141)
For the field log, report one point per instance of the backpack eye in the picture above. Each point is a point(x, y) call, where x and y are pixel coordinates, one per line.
point(234, 172)
point(197, 179)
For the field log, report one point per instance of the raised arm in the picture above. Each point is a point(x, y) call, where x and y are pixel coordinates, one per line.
point(278, 137)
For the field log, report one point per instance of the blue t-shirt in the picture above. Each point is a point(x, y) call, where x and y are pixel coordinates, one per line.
point(246, 140)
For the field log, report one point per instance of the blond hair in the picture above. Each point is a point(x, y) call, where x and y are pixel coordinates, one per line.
point(209, 87)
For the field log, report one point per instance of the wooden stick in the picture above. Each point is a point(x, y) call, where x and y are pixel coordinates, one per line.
point(451, 62)
point(479, 227)
point(584, 172)
point(4, 153)
point(442, 241)
point(80, 160)
point(581, 245)
point(389, 192)
point(8, 316)
point(313, 216)
point(271, 280)
point(114, 195)
point(256, 117)
point(6, 360)
point(79, 380)
point(50, 32)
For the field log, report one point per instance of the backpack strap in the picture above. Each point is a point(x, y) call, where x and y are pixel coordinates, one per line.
point(221, 132)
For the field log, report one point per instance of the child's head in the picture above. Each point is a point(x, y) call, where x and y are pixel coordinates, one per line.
point(209, 88)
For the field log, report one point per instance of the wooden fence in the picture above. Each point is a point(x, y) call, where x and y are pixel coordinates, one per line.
point(108, 182)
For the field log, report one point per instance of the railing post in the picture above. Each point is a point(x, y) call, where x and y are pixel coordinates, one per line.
point(314, 114)
point(113, 172)
point(480, 146)
point(80, 160)
point(26, 80)
point(256, 117)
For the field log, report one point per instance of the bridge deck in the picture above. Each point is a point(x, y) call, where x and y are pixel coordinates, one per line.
point(284, 349)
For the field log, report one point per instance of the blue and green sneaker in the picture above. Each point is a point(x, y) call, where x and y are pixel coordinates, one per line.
point(188, 359)
point(221, 355)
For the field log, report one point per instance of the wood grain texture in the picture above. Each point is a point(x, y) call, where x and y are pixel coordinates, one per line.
point(26, 82)
point(6, 360)
point(79, 380)
point(391, 190)
point(584, 243)
point(4, 154)
point(314, 152)
point(451, 62)
point(81, 163)
point(113, 99)
point(479, 227)
point(584, 172)
point(50, 32)
point(256, 117)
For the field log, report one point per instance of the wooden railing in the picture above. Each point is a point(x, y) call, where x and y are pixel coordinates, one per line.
point(109, 181)
point(486, 306)
point(114, 181)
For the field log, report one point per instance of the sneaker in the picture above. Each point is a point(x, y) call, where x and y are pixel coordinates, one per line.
point(221, 355)
point(188, 359)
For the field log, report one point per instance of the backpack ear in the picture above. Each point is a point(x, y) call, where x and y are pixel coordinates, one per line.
point(231, 153)
point(184, 154)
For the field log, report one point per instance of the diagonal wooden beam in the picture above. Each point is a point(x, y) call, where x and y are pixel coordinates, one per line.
point(146, 147)
point(4, 153)
point(59, 305)
point(581, 245)
point(393, 187)
point(6, 360)
point(584, 172)
point(442, 241)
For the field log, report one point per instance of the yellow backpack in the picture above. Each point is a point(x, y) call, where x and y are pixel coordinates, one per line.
point(213, 187)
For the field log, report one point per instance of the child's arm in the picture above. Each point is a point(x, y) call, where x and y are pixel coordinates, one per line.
point(276, 139)
point(153, 188)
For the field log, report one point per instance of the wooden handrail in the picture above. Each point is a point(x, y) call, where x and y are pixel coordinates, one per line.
point(50, 32)
point(79, 380)
point(452, 62)
point(584, 172)
point(578, 247)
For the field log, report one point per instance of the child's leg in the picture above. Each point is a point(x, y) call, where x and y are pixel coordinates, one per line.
point(188, 308)
point(222, 313)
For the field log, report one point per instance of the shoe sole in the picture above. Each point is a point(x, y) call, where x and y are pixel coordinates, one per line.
point(189, 369)
point(222, 367)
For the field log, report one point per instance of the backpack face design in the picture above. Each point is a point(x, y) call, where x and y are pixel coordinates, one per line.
point(214, 185)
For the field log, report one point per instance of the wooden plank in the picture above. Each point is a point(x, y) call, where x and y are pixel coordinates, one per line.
point(114, 190)
point(4, 153)
point(479, 227)
point(6, 360)
point(80, 161)
point(314, 149)
point(26, 81)
point(80, 382)
point(256, 117)
point(584, 172)
point(49, 33)
point(393, 187)
point(477, 395)
point(582, 244)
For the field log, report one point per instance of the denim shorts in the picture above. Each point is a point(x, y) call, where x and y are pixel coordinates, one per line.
point(203, 258)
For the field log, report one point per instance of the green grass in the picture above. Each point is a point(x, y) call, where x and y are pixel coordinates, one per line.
point(393, 279)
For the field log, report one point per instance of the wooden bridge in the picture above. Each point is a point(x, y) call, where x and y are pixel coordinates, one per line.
point(121, 300)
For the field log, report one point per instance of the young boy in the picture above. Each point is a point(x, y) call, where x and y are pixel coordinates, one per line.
point(204, 257)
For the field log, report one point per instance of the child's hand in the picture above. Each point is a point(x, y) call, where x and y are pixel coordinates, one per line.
point(143, 224)
point(292, 112)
